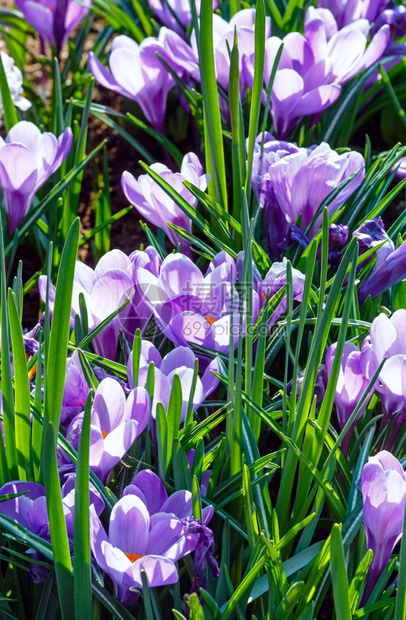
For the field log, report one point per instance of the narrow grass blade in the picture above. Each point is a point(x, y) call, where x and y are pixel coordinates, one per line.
point(339, 575)
point(22, 392)
point(215, 163)
point(82, 586)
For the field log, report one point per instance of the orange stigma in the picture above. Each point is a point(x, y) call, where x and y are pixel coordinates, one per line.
point(104, 434)
point(210, 320)
point(133, 557)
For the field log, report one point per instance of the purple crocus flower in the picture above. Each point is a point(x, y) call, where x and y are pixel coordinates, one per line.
point(75, 391)
point(154, 204)
point(30, 511)
point(273, 282)
point(296, 184)
point(343, 52)
point(387, 338)
point(105, 289)
point(383, 487)
point(148, 82)
point(27, 159)
point(137, 541)
point(54, 20)
point(150, 489)
point(387, 272)
point(347, 11)
point(192, 308)
point(180, 361)
point(243, 23)
point(301, 87)
point(116, 422)
point(176, 14)
point(351, 385)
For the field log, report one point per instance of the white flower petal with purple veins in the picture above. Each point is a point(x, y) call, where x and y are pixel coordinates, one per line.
point(129, 525)
point(108, 405)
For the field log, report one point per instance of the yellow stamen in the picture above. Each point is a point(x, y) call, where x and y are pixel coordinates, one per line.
point(32, 372)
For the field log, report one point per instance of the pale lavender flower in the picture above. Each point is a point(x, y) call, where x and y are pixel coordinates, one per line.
point(115, 424)
point(351, 385)
point(273, 282)
point(243, 23)
point(180, 361)
point(343, 52)
point(301, 87)
point(383, 487)
point(15, 84)
point(387, 338)
point(75, 391)
point(54, 20)
point(148, 81)
point(105, 289)
point(137, 541)
point(27, 159)
point(154, 204)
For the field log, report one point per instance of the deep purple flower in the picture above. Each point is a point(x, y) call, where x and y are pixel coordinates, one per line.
point(137, 541)
point(383, 486)
point(204, 553)
point(180, 361)
point(27, 159)
point(390, 271)
point(148, 82)
point(294, 185)
point(154, 204)
point(116, 422)
point(54, 20)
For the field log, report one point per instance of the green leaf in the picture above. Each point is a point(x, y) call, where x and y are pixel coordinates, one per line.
point(339, 575)
point(9, 462)
point(196, 610)
point(22, 393)
point(215, 164)
point(82, 584)
point(55, 372)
